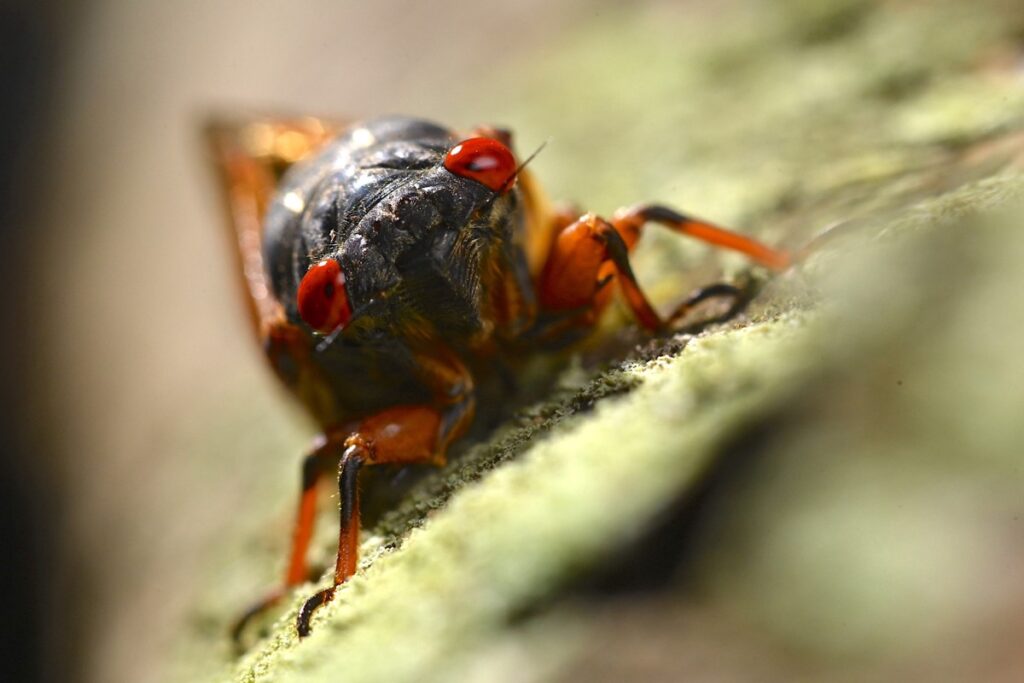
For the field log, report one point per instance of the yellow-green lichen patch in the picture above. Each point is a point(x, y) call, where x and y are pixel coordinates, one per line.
point(523, 529)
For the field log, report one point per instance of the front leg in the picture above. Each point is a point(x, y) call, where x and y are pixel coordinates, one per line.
point(585, 258)
point(399, 435)
point(589, 254)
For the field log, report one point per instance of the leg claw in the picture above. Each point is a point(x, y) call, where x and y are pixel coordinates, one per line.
point(263, 604)
point(315, 602)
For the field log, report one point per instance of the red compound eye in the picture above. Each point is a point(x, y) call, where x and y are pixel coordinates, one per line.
point(323, 301)
point(484, 160)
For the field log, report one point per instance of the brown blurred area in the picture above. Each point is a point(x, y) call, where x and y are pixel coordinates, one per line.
point(123, 326)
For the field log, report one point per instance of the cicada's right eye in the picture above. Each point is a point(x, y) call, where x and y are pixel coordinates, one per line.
point(322, 299)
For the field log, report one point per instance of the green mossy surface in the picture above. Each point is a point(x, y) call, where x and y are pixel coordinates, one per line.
point(879, 380)
point(475, 563)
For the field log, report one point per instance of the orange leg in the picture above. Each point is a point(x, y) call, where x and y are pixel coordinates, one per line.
point(630, 223)
point(399, 435)
point(314, 465)
point(591, 252)
point(584, 258)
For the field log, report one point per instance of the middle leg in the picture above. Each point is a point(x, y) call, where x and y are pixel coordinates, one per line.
point(320, 460)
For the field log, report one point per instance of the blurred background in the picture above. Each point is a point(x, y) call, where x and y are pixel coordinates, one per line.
point(143, 441)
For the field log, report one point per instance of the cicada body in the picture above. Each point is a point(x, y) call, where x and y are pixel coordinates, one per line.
point(391, 262)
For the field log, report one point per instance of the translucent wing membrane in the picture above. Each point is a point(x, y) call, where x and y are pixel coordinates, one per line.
point(250, 157)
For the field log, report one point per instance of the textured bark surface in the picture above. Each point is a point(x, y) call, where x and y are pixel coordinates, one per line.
point(830, 483)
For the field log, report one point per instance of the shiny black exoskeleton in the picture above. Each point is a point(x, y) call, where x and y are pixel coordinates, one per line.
point(420, 248)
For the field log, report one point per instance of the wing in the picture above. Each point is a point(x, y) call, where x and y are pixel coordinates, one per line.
point(250, 156)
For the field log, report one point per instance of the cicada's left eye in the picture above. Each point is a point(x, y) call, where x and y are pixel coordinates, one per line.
point(322, 299)
point(484, 160)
